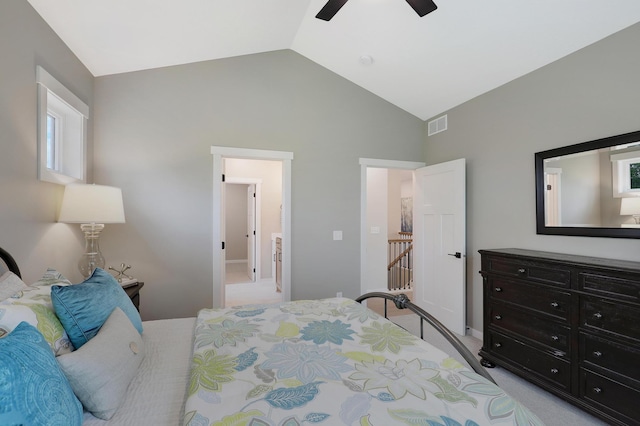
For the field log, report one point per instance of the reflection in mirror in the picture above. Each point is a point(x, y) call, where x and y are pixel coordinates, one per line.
point(590, 189)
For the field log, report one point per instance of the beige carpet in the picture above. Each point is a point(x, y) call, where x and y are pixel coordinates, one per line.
point(236, 273)
point(261, 292)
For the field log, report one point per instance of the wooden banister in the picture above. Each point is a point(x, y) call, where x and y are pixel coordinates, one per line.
point(399, 257)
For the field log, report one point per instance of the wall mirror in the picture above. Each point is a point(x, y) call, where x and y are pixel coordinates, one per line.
point(590, 189)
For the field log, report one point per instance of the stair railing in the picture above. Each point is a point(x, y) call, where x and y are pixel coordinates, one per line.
point(400, 267)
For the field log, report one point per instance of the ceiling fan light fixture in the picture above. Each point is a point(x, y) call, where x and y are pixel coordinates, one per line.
point(422, 7)
point(330, 9)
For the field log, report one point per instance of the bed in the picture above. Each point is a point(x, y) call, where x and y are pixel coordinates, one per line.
point(330, 361)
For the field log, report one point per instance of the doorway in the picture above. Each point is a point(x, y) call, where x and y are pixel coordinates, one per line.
point(373, 255)
point(242, 230)
point(220, 157)
point(438, 235)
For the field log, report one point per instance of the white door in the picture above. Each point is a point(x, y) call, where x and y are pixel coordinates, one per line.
point(251, 231)
point(439, 242)
point(552, 196)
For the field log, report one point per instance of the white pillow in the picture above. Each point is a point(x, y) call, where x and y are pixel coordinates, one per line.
point(101, 370)
point(10, 284)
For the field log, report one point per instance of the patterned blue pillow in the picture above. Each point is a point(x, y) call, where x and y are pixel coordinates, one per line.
point(84, 307)
point(33, 389)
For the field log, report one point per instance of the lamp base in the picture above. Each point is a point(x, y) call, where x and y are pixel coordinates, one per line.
point(92, 258)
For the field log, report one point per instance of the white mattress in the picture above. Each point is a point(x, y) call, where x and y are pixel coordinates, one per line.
point(156, 395)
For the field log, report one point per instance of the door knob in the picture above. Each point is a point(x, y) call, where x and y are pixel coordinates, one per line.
point(457, 254)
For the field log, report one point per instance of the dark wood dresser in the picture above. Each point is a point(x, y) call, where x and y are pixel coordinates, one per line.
point(569, 324)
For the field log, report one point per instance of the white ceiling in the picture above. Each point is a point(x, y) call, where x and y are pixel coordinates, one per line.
point(422, 65)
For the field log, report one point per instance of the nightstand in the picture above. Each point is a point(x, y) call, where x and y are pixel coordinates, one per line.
point(133, 291)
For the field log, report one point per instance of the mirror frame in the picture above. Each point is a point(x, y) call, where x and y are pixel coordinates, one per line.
point(541, 228)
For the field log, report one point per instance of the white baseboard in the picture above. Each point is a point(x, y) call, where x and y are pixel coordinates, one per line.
point(475, 333)
point(237, 261)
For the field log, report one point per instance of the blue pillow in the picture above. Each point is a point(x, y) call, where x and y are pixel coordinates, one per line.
point(33, 389)
point(84, 307)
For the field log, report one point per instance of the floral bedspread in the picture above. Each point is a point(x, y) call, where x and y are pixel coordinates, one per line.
point(331, 362)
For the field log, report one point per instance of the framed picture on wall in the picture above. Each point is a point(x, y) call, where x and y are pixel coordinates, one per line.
point(406, 214)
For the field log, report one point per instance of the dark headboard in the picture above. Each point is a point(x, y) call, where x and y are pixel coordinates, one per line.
point(9, 261)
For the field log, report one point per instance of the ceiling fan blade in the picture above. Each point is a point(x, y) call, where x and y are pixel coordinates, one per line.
point(330, 9)
point(422, 7)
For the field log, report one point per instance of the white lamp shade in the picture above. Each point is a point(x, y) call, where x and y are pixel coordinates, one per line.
point(91, 204)
point(630, 206)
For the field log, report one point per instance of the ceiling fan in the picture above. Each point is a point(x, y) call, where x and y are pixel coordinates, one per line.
point(422, 7)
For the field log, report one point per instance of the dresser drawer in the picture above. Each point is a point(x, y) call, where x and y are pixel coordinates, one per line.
point(606, 393)
point(542, 299)
point(542, 364)
point(605, 353)
point(558, 275)
point(619, 286)
point(609, 316)
point(551, 334)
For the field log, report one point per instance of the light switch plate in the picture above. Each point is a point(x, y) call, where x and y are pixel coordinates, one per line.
point(337, 235)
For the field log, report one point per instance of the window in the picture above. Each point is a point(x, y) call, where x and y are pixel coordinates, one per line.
point(626, 173)
point(634, 176)
point(62, 132)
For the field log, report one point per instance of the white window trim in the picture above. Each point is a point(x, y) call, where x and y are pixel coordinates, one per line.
point(49, 86)
point(621, 174)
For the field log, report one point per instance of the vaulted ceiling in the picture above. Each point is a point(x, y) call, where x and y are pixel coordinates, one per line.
point(422, 65)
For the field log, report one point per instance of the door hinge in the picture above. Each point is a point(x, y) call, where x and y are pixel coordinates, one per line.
point(223, 245)
point(254, 270)
point(254, 232)
point(548, 187)
point(223, 177)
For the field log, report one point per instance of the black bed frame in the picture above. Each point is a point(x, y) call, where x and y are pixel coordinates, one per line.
point(10, 262)
point(400, 300)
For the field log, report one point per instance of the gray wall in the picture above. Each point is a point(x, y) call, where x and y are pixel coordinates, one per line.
point(588, 95)
point(153, 134)
point(29, 208)
point(580, 190)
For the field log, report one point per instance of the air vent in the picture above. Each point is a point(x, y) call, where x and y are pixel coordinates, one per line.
point(438, 125)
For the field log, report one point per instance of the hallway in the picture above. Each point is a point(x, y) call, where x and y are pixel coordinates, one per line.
point(240, 291)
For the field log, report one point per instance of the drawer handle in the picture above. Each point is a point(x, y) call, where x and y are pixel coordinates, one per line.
point(597, 390)
point(597, 315)
point(554, 304)
point(498, 345)
point(498, 317)
point(597, 354)
point(554, 371)
point(555, 338)
point(522, 271)
point(498, 289)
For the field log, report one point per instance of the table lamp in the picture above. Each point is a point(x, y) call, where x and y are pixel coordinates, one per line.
point(631, 207)
point(92, 206)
